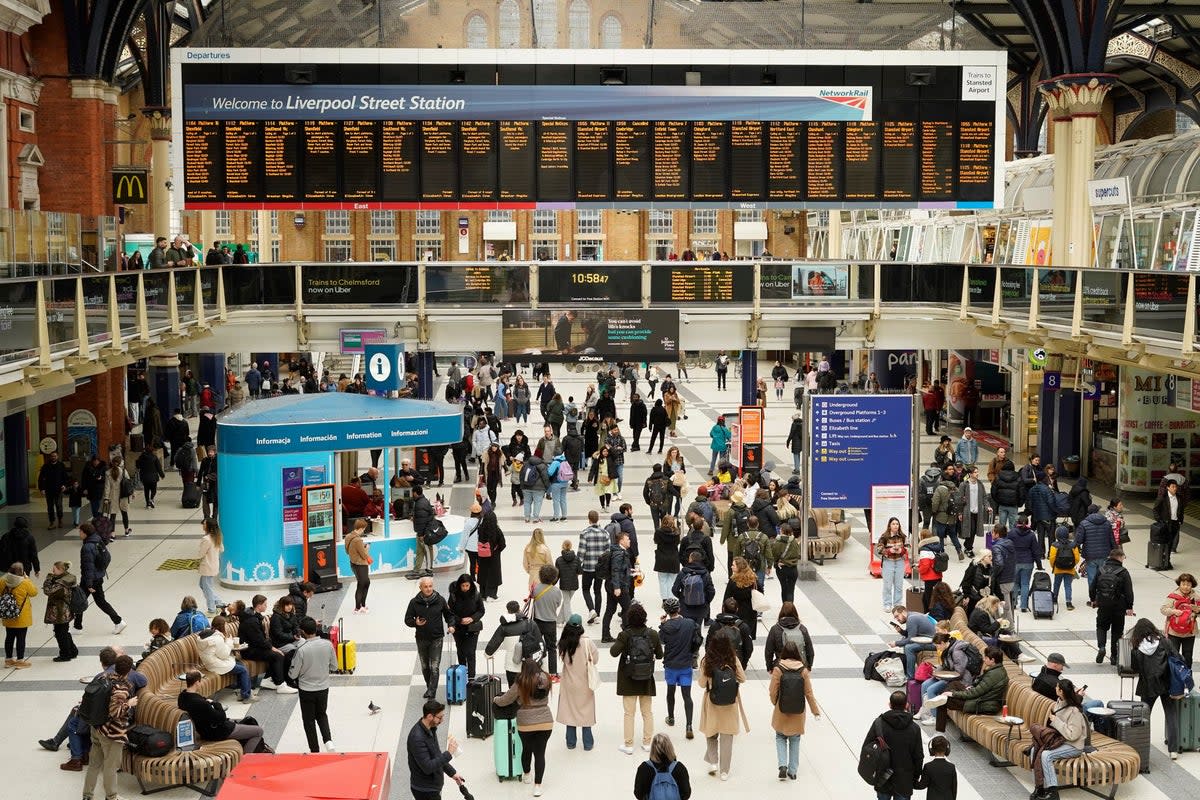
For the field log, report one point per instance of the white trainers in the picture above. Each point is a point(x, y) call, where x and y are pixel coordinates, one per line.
point(527, 777)
point(537, 790)
point(937, 701)
point(285, 689)
point(626, 749)
point(330, 747)
point(646, 748)
point(120, 626)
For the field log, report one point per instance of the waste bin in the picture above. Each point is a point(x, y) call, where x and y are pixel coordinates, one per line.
point(1070, 466)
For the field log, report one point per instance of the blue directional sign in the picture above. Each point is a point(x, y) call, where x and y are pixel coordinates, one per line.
point(1051, 380)
point(859, 441)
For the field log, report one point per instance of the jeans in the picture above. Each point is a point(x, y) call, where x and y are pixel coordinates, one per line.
point(592, 588)
point(1007, 516)
point(79, 738)
point(588, 741)
point(1064, 581)
point(632, 703)
point(558, 498)
point(716, 454)
point(886, 796)
point(787, 751)
point(721, 373)
point(795, 462)
point(944, 529)
point(910, 657)
point(501, 408)
point(210, 594)
point(533, 503)
point(932, 687)
point(1171, 707)
point(893, 582)
point(242, 676)
point(429, 653)
point(522, 411)
point(1024, 573)
point(1093, 569)
point(313, 707)
point(1048, 758)
point(620, 476)
point(665, 581)
point(533, 749)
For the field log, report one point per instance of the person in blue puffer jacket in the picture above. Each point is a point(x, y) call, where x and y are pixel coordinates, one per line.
point(1028, 554)
point(1004, 567)
point(1039, 502)
point(1094, 538)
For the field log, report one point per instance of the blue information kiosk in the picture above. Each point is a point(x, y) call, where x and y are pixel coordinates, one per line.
point(281, 491)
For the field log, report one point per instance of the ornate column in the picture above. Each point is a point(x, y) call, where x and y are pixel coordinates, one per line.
point(1074, 101)
point(160, 171)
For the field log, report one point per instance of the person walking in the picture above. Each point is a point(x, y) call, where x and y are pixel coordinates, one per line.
point(1111, 595)
point(788, 628)
point(892, 549)
point(544, 599)
point(721, 714)
point(659, 422)
point(209, 562)
point(681, 641)
point(94, 560)
point(1168, 513)
point(428, 615)
point(535, 720)
point(593, 543)
point(786, 552)
point(17, 584)
point(903, 739)
point(109, 738)
point(313, 661)
point(19, 547)
point(428, 763)
point(1094, 538)
point(580, 659)
point(465, 603)
point(662, 767)
point(795, 441)
point(719, 437)
point(150, 471)
point(1064, 559)
point(1028, 554)
point(1181, 609)
point(568, 568)
point(694, 588)
point(360, 563)
point(1151, 653)
point(742, 584)
point(666, 555)
point(51, 480)
point(792, 697)
point(118, 488)
point(535, 556)
point(58, 587)
point(945, 515)
point(618, 583)
point(637, 647)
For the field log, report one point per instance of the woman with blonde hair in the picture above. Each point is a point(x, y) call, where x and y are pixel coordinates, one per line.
point(58, 586)
point(662, 759)
point(536, 555)
point(17, 583)
point(211, 545)
point(743, 582)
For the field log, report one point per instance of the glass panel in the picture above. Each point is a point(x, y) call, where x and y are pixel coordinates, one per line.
point(18, 303)
point(6, 243)
point(1159, 301)
point(60, 313)
point(1000, 253)
point(1186, 244)
point(1144, 230)
point(156, 285)
point(1168, 240)
point(1056, 294)
point(1165, 175)
point(185, 295)
point(208, 290)
point(492, 283)
point(278, 285)
point(1103, 298)
point(39, 249)
point(95, 306)
point(983, 286)
point(22, 253)
point(359, 284)
point(127, 299)
point(1106, 247)
point(1014, 289)
point(785, 281)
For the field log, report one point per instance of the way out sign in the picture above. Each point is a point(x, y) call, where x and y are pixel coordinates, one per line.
point(385, 367)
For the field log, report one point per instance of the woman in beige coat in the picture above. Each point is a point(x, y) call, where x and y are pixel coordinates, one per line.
point(579, 658)
point(209, 567)
point(116, 478)
point(789, 725)
point(720, 722)
point(536, 555)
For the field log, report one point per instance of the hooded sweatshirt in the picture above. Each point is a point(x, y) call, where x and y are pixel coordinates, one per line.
point(569, 567)
point(18, 545)
point(904, 740)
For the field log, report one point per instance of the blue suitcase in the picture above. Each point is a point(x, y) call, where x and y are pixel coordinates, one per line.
point(456, 684)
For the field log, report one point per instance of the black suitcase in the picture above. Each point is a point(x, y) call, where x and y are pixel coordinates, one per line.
point(1042, 601)
point(1135, 732)
point(191, 496)
point(1158, 556)
point(1130, 708)
point(481, 691)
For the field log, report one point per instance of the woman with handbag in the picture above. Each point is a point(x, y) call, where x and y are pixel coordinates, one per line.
point(579, 677)
point(465, 603)
point(491, 544)
point(1064, 735)
point(118, 488)
point(1181, 610)
point(602, 473)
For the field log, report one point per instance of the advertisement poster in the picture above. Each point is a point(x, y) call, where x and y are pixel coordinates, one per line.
point(859, 441)
point(1153, 433)
point(1038, 252)
point(803, 282)
point(293, 526)
point(314, 476)
point(292, 484)
point(590, 337)
point(318, 513)
point(889, 501)
point(960, 374)
point(355, 340)
point(359, 284)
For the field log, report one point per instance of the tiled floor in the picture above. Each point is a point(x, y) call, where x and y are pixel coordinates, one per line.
point(840, 609)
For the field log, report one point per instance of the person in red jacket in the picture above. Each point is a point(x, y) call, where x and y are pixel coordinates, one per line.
point(928, 548)
point(931, 401)
point(354, 499)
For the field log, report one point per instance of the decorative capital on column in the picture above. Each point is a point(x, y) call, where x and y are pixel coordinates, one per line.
point(1076, 95)
point(160, 122)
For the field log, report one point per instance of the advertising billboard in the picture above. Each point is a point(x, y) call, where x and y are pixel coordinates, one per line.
point(581, 337)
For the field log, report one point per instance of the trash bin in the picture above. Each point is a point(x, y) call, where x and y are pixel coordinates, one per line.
point(1070, 466)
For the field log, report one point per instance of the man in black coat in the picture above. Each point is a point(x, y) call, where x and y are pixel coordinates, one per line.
point(896, 727)
point(19, 547)
point(429, 616)
point(52, 477)
point(1111, 594)
point(637, 420)
point(428, 764)
point(422, 520)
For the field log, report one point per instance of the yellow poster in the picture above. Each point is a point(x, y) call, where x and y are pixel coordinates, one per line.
point(1038, 253)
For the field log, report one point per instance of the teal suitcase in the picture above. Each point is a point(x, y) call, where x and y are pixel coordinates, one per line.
point(1189, 721)
point(506, 746)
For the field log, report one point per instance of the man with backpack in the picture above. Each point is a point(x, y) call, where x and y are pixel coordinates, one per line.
point(107, 708)
point(735, 523)
point(697, 538)
point(946, 508)
point(1111, 594)
point(617, 569)
point(891, 754)
point(94, 560)
point(694, 588)
point(572, 447)
point(621, 521)
point(535, 482)
point(657, 494)
point(1094, 538)
point(756, 548)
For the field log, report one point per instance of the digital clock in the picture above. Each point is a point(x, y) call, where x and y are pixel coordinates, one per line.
point(608, 283)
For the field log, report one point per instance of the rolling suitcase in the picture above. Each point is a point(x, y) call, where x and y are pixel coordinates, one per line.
point(481, 691)
point(456, 684)
point(1135, 732)
point(914, 695)
point(191, 496)
point(347, 653)
point(506, 748)
point(1130, 708)
point(1189, 721)
point(1158, 556)
point(1125, 659)
point(1041, 597)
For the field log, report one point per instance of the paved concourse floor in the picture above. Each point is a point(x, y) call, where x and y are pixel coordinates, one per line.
point(841, 609)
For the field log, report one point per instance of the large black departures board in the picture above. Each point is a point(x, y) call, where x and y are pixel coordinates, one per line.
point(358, 145)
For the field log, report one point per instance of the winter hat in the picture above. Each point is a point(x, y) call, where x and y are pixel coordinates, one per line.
point(575, 619)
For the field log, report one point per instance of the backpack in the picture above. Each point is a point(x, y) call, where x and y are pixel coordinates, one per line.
point(658, 493)
point(604, 565)
point(93, 708)
point(78, 600)
point(724, 688)
point(752, 552)
point(1064, 556)
point(103, 558)
point(566, 472)
point(8, 605)
point(974, 657)
point(126, 487)
point(531, 642)
point(929, 482)
point(1062, 504)
point(791, 691)
point(875, 758)
point(529, 476)
point(613, 529)
point(692, 587)
point(639, 657)
point(954, 504)
point(741, 518)
point(941, 562)
point(799, 637)
point(664, 787)
point(1108, 586)
point(1180, 673)
point(148, 741)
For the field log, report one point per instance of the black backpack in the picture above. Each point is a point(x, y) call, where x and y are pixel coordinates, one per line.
point(1064, 556)
point(723, 688)
point(752, 552)
point(604, 565)
point(941, 562)
point(741, 519)
point(532, 643)
point(146, 740)
point(791, 691)
point(1108, 585)
point(974, 657)
point(93, 708)
point(658, 491)
point(929, 482)
point(103, 558)
point(875, 758)
point(639, 657)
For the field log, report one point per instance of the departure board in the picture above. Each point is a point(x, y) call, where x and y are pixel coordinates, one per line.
point(717, 282)
point(824, 134)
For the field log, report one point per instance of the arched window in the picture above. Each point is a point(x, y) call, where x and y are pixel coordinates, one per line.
point(579, 23)
point(545, 20)
point(477, 32)
point(610, 33)
point(510, 24)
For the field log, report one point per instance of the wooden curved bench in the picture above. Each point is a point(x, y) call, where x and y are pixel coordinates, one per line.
point(204, 768)
point(1109, 762)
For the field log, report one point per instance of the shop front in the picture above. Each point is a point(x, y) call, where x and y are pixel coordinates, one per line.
point(1159, 424)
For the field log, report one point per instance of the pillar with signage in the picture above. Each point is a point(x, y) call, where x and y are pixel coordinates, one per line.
point(750, 452)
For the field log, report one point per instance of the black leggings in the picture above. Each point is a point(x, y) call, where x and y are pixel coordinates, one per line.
point(149, 491)
point(465, 643)
point(787, 582)
point(362, 584)
point(1184, 645)
point(124, 519)
point(17, 636)
point(686, 691)
point(66, 644)
point(533, 747)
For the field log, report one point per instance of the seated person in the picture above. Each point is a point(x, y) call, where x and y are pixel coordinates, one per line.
point(209, 717)
point(986, 696)
point(369, 479)
point(988, 623)
point(407, 472)
point(1046, 681)
point(375, 505)
point(1067, 717)
point(159, 636)
point(252, 629)
point(354, 499)
point(952, 655)
point(911, 625)
point(216, 649)
point(189, 620)
point(285, 624)
point(301, 592)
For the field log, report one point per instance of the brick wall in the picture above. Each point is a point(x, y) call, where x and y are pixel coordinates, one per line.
point(104, 396)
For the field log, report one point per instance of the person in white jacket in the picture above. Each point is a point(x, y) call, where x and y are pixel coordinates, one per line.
point(216, 656)
point(210, 562)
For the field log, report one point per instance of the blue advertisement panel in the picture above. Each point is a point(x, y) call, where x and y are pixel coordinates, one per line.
point(859, 441)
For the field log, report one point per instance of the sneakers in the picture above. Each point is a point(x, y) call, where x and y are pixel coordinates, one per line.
point(250, 698)
point(712, 768)
point(537, 790)
point(645, 747)
point(1070, 607)
point(330, 747)
point(724, 776)
point(1174, 756)
point(1099, 656)
point(627, 749)
point(592, 617)
point(670, 721)
point(285, 689)
point(937, 701)
point(48, 744)
point(783, 773)
point(791, 776)
point(9, 662)
point(120, 626)
point(129, 531)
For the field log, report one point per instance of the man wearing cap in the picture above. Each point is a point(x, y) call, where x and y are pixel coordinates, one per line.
point(967, 449)
point(1046, 682)
point(702, 506)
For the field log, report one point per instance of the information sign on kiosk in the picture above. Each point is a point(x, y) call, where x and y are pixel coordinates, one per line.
point(750, 424)
point(385, 367)
point(320, 564)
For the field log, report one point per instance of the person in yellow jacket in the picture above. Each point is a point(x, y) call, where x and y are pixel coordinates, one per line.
point(20, 589)
point(1063, 566)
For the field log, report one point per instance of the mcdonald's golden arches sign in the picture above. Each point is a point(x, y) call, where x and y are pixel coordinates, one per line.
point(130, 187)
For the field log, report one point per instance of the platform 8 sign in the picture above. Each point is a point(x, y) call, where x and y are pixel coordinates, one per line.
point(859, 441)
